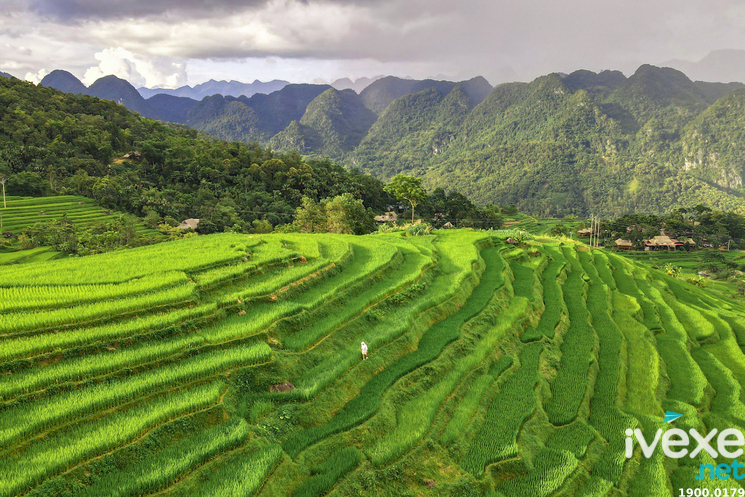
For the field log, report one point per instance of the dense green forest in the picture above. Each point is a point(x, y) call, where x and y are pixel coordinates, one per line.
point(562, 144)
point(571, 144)
point(59, 143)
point(51, 142)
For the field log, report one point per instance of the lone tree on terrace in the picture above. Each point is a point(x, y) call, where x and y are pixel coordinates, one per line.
point(409, 188)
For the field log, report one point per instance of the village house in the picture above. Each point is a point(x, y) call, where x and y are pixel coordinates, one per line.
point(664, 242)
point(626, 245)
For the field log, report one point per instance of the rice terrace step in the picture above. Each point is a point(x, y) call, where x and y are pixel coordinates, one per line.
point(519, 369)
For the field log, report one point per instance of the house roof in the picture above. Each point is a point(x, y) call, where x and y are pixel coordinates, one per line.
point(660, 241)
point(190, 223)
point(624, 243)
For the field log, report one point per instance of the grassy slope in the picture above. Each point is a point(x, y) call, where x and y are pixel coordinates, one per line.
point(493, 370)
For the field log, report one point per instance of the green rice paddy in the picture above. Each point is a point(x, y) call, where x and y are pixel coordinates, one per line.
point(229, 365)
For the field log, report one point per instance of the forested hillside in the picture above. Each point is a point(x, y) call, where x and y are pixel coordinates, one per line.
point(562, 144)
point(54, 142)
point(574, 144)
point(333, 123)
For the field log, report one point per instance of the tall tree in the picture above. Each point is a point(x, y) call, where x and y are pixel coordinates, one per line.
point(310, 217)
point(408, 188)
point(345, 214)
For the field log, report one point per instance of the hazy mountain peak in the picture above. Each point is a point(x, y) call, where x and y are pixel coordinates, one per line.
point(724, 66)
point(333, 123)
point(665, 84)
point(121, 91)
point(382, 92)
point(63, 81)
point(476, 89)
point(358, 85)
point(212, 87)
point(592, 82)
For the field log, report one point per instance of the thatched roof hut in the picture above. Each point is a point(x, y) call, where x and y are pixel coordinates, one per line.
point(190, 223)
point(662, 241)
point(622, 244)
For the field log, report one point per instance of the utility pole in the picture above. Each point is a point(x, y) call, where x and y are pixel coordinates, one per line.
point(593, 228)
point(592, 219)
point(597, 235)
point(2, 182)
point(593, 241)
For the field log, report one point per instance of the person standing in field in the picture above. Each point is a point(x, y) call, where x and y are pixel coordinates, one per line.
point(363, 347)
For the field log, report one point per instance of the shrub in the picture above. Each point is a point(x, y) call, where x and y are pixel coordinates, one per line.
point(672, 270)
point(519, 235)
point(698, 280)
point(420, 229)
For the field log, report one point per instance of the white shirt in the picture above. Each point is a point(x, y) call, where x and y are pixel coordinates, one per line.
point(364, 348)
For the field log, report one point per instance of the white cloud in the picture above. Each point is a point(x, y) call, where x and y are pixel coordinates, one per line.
point(10, 65)
point(36, 78)
point(19, 49)
point(140, 70)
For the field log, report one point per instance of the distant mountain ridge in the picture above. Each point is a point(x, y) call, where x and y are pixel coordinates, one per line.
point(333, 123)
point(726, 65)
point(357, 85)
point(254, 119)
point(116, 89)
point(212, 87)
point(565, 144)
point(315, 119)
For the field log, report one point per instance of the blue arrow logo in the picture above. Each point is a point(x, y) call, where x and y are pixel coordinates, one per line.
point(671, 416)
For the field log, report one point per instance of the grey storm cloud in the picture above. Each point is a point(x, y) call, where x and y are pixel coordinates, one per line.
point(497, 38)
point(80, 10)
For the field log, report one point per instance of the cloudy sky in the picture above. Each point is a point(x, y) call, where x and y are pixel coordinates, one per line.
point(176, 42)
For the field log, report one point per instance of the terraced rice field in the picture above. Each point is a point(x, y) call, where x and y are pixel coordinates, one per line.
point(22, 212)
point(229, 365)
